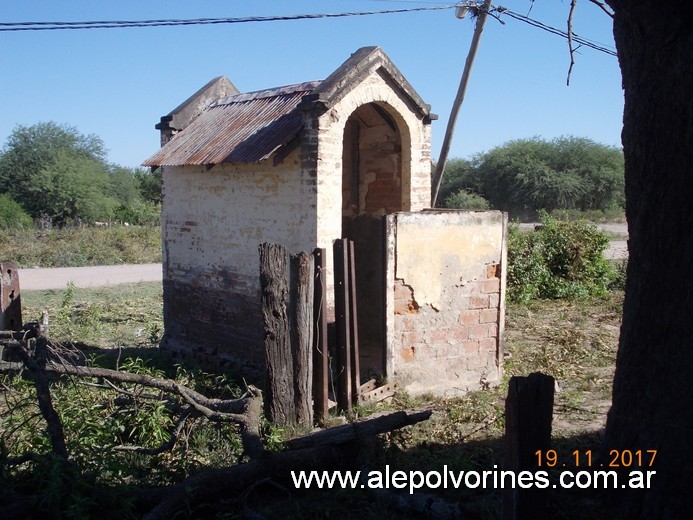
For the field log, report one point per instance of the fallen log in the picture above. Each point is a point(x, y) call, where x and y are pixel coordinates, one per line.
point(318, 451)
point(373, 425)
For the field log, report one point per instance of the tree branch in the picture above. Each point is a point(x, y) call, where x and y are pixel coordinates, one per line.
point(603, 7)
point(573, 4)
point(54, 426)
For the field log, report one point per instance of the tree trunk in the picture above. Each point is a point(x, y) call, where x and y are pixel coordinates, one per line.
point(652, 396)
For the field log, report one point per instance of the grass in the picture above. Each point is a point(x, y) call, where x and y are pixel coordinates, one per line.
point(573, 341)
point(108, 317)
point(77, 247)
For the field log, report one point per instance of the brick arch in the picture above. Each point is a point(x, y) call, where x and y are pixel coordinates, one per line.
point(374, 175)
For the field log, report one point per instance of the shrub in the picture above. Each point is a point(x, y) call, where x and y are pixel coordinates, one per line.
point(560, 260)
point(12, 215)
point(465, 199)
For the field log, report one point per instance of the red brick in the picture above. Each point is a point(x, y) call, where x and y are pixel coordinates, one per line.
point(437, 336)
point(490, 286)
point(470, 317)
point(488, 315)
point(493, 271)
point(478, 302)
point(494, 301)
point(480, 331)
point(402, 291)
point(488, 345)
point(409, 339)
point(458, 333)
point(470, 347)
point(407, 354)
point(403, 306)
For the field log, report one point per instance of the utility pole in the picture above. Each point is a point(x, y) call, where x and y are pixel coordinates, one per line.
point(482, 13)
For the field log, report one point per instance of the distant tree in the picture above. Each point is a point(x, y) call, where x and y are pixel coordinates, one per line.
point(149, 184)
point(125, 185)
point(459, 174)
point(12, 215)
point(565, 173)
point(53, 170)
point(70, 188)
point(465, 199)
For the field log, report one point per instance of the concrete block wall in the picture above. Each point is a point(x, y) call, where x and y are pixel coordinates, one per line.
point(446, 311)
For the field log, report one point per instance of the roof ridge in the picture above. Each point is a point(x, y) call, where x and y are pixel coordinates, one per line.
point(306, 86)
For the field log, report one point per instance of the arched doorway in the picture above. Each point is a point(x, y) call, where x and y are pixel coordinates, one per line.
point(373, 185)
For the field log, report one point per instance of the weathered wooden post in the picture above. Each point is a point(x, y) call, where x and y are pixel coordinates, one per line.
point(279, 392)
point(528, 415)
point(10, 299)
point(302, 335)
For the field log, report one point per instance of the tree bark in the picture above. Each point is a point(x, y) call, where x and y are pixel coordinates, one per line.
point(274, 281)
point(652, 395)
point(302, 335)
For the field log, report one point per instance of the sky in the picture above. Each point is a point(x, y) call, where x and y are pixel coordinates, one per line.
point(117, 83)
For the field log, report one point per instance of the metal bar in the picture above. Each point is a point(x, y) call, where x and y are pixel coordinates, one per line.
point(353, 326)
point(320, 348)
point(342, 318)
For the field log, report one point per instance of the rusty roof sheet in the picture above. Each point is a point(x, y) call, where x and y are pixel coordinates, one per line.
point(242, 128)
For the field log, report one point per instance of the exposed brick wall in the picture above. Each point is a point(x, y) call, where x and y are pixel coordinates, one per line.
point(447, 316)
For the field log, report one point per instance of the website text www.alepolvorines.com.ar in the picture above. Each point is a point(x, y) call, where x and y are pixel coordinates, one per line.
point(446, 478)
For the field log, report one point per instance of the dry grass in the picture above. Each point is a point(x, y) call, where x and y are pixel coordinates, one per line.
point(81, 246)
point(575, 342)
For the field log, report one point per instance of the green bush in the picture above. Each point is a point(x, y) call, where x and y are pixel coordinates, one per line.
point(465, 199)
point(12, 215)
point(562, 259)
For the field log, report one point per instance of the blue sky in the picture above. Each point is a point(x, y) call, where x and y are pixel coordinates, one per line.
point(117, 83)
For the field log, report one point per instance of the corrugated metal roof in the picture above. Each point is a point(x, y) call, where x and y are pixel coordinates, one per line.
point(243, 128)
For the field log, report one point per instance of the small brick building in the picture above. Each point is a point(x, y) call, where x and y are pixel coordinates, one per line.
point(302, 165)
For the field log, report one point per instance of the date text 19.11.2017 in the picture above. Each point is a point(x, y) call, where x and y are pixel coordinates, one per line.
point(584, 459)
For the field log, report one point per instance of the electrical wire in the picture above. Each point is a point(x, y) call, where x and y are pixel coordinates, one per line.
point(118, 24)
point(502, 11)
point(497, 11)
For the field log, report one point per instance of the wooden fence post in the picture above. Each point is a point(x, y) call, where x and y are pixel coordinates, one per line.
point(279, 392)
point(528, 415)
point(10, 299)
point(302, 335)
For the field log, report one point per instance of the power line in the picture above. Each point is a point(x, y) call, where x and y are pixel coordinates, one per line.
point(553, 30)
point(118, 24)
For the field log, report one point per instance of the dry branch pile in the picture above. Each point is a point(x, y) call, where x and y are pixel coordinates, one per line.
point(32, 355)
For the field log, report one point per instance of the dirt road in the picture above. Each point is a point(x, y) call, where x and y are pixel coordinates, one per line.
point(97, 276)
point(105, 275)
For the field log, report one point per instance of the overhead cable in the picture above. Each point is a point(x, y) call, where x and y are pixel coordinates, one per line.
point(118, 24)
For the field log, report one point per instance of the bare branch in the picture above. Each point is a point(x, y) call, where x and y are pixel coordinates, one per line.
point(54, 426)
point(603, 7)
point(245, 411)
point(573, 3)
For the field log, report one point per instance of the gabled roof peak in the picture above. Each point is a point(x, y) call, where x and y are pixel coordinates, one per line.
point(355, 69)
